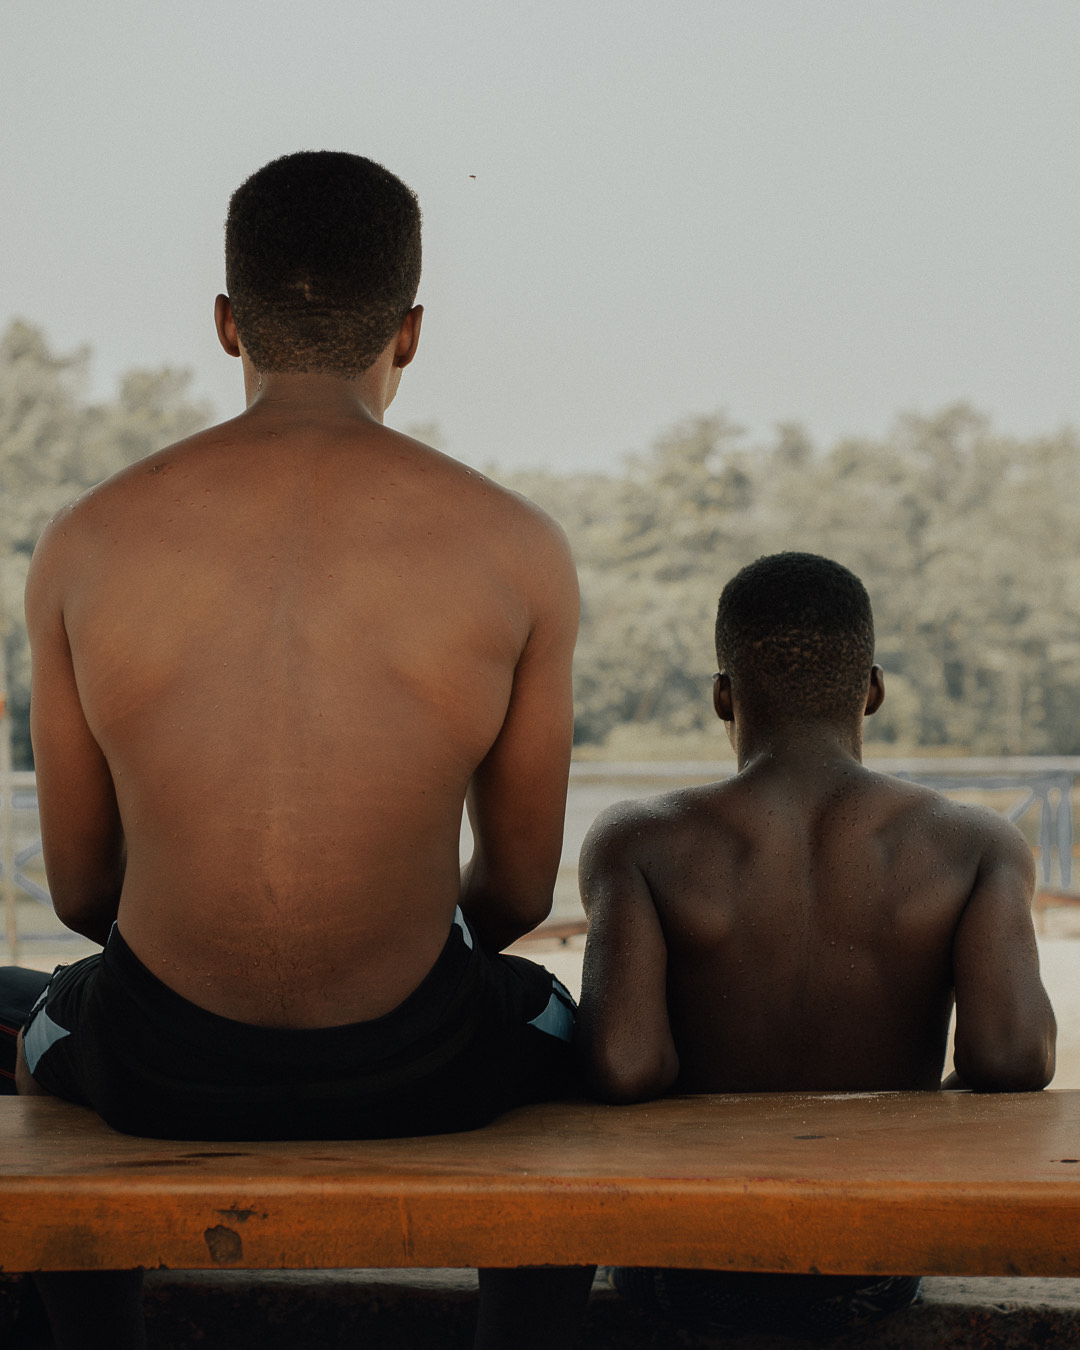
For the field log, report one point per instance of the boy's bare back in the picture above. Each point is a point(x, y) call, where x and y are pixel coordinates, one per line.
point(810, 929)
point(804, 925)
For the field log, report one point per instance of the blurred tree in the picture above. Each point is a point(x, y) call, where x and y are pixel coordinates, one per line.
point(54, 445)
point(969, 543)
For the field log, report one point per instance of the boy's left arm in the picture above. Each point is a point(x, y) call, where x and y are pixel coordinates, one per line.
point(623, 1029)
point(1005, 1028)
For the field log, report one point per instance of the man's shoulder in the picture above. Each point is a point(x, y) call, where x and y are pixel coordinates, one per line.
point(119, 506)
point(521, 544)
point(95, 506)
point(528, 522)
point(496, 514)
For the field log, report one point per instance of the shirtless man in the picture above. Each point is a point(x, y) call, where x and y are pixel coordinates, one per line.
point(270, 664)
point(807, 924)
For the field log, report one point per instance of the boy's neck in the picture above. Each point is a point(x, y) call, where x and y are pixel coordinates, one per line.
point(799, 746)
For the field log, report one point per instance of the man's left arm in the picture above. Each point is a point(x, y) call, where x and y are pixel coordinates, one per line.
point(82, 837)
point(517, 797)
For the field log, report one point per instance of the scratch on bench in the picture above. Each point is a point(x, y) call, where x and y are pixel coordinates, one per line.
point(406, 1231)
point(240, 1215)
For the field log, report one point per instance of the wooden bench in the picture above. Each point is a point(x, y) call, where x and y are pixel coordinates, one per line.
point(926, 1183)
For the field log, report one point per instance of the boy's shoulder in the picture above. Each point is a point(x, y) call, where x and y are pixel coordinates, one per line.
point(643, 824)
point(690, 817)
point(917, 807)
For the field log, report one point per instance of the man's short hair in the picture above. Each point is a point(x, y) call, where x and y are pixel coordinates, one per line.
point(322, 262)
point(795, 633)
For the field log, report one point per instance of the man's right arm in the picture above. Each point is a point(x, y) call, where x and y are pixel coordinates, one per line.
point(1005, 1028)
point(82, 837)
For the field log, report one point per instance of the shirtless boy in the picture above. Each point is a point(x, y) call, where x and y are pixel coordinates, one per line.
point(807, 924)
point(270, 664)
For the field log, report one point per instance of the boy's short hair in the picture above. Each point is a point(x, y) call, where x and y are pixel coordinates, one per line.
point(795, 633)
point(322, 262)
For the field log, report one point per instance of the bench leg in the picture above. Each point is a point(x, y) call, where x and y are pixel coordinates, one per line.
point(94, 1309)
point(532, 1307)
point(87, 1309)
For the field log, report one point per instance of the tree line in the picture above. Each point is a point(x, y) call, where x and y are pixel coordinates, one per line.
point(968, 542)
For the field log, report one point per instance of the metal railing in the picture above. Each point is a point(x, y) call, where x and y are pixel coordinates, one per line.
point(1044, 784)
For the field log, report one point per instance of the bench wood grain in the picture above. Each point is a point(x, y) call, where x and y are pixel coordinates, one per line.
point(925, 1183)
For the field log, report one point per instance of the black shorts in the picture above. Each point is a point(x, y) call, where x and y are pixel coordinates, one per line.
point(482, 1033)
point(19, 990)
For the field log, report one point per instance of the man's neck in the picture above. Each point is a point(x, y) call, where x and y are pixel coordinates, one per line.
point(318, 395)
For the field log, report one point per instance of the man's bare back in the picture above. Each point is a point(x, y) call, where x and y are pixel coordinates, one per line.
point(804, 925)
point(272, 662)
point(295, 639)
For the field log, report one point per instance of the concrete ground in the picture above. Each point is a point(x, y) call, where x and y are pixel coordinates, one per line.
point(436, 1310)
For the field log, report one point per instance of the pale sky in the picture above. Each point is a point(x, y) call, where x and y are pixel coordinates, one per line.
point(822, 210)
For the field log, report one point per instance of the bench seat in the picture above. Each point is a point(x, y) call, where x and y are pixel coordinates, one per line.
point(923, 1183)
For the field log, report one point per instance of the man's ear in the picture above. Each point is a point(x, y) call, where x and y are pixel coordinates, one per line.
point(721, 697)
point(226, 325)
point(875, 696)
point(408, 337)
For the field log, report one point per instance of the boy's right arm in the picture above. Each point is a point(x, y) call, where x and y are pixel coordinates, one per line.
point(623, 1029)
point(1005, 1028)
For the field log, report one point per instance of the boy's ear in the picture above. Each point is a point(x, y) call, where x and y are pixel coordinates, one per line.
point(721, 697)
point(408, 337)
point(875, 696)
point(226, 325)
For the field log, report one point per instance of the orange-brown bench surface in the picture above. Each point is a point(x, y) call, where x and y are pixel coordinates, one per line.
point(926, 1183)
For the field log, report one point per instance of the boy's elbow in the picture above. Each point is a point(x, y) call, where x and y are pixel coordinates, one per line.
point(1024, 1065)
point(621, 1079)
point(1012, 1077)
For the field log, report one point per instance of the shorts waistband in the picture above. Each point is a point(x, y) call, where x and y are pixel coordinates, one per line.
point(446, 989)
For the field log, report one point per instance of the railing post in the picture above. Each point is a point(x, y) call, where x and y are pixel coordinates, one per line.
point(1047, 838)
point(7, 832)
point(1065, 833)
